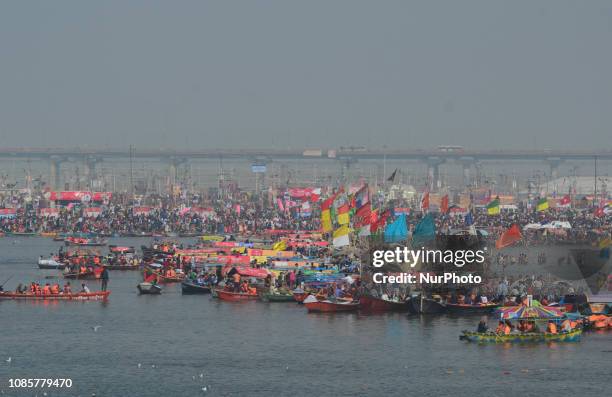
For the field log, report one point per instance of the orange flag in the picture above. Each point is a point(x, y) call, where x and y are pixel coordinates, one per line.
point(444, 204)
point(509, 237)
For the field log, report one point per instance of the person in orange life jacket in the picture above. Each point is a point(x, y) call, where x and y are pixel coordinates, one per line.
point(552, 327)
point(500, 328)
point(55, 289)
point(46, 289)
point(67, 289)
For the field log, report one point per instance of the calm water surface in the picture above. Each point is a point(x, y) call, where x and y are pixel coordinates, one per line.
point(263, 349)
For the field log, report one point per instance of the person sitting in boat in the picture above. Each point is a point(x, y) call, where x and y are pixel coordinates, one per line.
point(551, 328)
point(484, 300)
point(461, 299)
point(55, 289)
point(500, 328)
point(82, 269)
point(18, 289)
point(85, 289)
point(566, 325)
point(482, 325)
point(521, 326)
point(67, 288)
point(244, 287)
point(46, 289)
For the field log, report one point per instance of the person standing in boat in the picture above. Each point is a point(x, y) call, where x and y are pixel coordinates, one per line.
point(104, 277)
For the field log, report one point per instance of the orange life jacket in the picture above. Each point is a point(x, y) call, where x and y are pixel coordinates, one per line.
point(552, 328)
point(46, 290)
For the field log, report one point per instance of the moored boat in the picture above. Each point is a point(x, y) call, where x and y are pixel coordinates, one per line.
point(423, 305)
point(277, 297)
point(191, 288)
point(326, 306)
point(370, 303)
point(462, 308)
point(235, 296)
point(50, 263)
point(78, 296)
point(149, 289)
point(490, 337)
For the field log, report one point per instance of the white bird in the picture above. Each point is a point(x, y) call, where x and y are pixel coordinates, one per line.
point(139, 365)
point(153, 366)
point(204, 388)
point(201, 376)
point(193, 377)
point(8, 360)
point(96, 328)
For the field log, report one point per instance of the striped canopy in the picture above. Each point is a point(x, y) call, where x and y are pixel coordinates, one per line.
point(529, 312)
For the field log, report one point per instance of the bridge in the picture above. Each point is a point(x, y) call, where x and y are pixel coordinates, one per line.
point(345, 155)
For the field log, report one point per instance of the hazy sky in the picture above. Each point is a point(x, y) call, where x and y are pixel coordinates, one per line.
point(310, 73)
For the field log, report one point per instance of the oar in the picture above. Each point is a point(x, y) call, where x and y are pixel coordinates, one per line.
point(7, 280)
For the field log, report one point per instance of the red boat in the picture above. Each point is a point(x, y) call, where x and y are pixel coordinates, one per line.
point(371, 303)
point(78, 296)
point(235, 296)
point(316, 306)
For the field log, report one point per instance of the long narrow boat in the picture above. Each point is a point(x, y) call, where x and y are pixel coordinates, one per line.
point(462, 308)
point(235, 296)
point(489, 337)
point(277, 297)
point(78, 296)
point(122, 267)
point(88, 275)
point(370, 303)
point(190, 288)
point(50, 263)
point(326, 306)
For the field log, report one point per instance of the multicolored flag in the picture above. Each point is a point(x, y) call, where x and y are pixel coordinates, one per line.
point(493, 207)
point(542, 205)
point(565, 202)
point(363, 220)
point(341, 236)
point(326, 222)
point(343, 214)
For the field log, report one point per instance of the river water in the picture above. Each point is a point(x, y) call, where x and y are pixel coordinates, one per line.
point(174, 345)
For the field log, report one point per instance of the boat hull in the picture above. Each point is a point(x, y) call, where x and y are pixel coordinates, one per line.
point(419, 305)
point(573, 336)
point(277, 297)
point(330, 307)
point(471, 309)
point(192, 289)
point(91, 296)
point(370, 303)
point(149, 289)
point(235, 296)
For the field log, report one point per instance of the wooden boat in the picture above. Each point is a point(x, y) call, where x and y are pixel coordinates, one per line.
point(85, 242)
point(50, 264)
point(149, 289)
point(276, 297)
point(176, 279)
point(489, 337)
point(462, 308)
point(371, 303)
point(48, 234)
point(22, 234)
point(88, 275)
point(235, 296)
point(422, 305)
point(190, 288)
point(122, 267)
point(326, 306)
point(77, 296)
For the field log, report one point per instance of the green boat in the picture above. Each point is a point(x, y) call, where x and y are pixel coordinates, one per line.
point(490, 337)
point(268, 297)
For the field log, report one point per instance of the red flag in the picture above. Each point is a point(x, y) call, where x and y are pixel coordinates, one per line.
point(509, 237)
point(444, 204)
point(381, 221)
point(363, 216)
point(566, 200)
